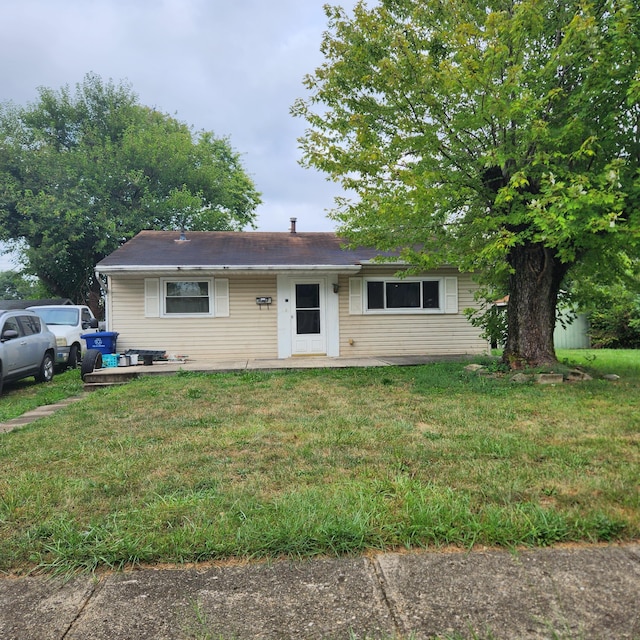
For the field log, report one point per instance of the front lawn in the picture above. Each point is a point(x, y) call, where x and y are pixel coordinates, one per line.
point(196, 467)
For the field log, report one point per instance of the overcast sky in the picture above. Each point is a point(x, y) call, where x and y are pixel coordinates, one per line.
point(233, 67)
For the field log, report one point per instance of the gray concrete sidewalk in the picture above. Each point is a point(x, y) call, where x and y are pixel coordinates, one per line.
point(577, 593)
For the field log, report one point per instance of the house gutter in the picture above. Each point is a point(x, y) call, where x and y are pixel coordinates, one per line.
point(108, 270)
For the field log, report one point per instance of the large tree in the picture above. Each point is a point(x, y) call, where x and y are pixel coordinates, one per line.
point(82, 172)
point(502, 137)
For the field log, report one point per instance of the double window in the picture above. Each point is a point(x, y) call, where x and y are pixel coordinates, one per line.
point(176, 297)
point(407, 295)
point(187, 297)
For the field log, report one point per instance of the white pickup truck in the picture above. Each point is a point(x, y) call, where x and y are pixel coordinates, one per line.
point(67, 322)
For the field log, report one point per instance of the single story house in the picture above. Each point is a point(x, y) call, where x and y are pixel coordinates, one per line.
point(226, 295)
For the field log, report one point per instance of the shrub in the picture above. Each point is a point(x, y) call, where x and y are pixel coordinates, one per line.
point(617, 325)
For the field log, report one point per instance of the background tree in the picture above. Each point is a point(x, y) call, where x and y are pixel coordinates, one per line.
point(82, 173)
point(615, 323)
point(16, 286)
point(612, 304)
point(501, 137)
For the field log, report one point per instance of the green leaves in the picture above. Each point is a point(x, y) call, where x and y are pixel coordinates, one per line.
point(418, 95)
point(80, 173)
point(479, 128)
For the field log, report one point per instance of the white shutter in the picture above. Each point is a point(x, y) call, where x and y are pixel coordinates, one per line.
point(221, 304)
point(151, 297)
point(451, 295)
point(355, 296)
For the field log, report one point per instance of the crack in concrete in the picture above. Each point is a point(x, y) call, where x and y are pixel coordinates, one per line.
point(388, 599)
point(96, 587)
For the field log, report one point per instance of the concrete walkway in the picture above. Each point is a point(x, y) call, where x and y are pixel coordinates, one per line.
point(577, 593)
point(270, 364)
point(119, 375)
point(36, 414)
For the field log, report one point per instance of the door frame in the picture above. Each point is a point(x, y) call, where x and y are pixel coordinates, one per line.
point(329, 311)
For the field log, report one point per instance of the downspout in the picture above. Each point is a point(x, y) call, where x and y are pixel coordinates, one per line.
point(104, 283)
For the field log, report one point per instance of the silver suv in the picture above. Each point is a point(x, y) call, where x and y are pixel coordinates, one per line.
point(27, 347)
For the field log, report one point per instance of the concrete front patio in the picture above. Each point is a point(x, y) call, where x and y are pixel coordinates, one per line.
point(120, 375)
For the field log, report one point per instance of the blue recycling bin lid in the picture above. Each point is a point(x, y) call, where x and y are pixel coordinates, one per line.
point(100, 334)
point(104, 341)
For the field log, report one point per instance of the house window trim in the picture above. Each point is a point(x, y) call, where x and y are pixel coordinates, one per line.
point(210, 295)
point(405, 310)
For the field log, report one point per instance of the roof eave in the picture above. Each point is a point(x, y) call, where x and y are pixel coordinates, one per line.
point(122, 269)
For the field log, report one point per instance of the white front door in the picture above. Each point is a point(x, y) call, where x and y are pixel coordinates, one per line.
point(309, 318)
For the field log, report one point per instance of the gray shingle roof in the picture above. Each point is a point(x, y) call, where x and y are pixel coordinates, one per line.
point(231, 249)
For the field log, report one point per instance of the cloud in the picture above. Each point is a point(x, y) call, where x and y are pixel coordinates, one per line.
point(234, 68)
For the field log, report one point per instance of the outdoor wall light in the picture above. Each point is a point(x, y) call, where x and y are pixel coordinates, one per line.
point(336, 287)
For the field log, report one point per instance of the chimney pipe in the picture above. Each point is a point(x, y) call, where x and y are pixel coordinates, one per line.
point(293, 225)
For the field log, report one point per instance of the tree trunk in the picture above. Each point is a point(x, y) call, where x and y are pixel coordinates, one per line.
point(531, 311)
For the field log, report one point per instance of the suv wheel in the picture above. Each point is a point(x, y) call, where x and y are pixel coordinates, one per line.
point(46, 369)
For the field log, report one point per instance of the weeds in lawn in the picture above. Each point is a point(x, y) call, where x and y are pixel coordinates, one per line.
point(195, 467)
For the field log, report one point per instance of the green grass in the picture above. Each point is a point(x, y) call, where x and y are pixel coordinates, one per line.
point(27, 394)
point(623, 362)
point(196, 467)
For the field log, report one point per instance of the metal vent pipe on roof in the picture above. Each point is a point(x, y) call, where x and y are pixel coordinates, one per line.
point(292, 229)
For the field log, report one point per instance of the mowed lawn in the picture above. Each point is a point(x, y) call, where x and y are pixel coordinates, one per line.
point(197, 467)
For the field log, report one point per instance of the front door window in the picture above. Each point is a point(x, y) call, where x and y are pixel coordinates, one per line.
point(307, 309)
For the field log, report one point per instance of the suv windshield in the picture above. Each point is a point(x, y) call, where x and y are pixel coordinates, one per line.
point(59, 316)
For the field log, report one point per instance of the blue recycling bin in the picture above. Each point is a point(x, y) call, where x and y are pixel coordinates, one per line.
point(103, 341)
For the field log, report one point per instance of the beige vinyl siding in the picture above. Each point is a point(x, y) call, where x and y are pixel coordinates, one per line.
point(252, 332)
point(379, 334)
point(247, 332)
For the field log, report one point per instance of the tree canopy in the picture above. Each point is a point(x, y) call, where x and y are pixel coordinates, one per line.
point(16, 286)
point(82, 172)
point(502, 137)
